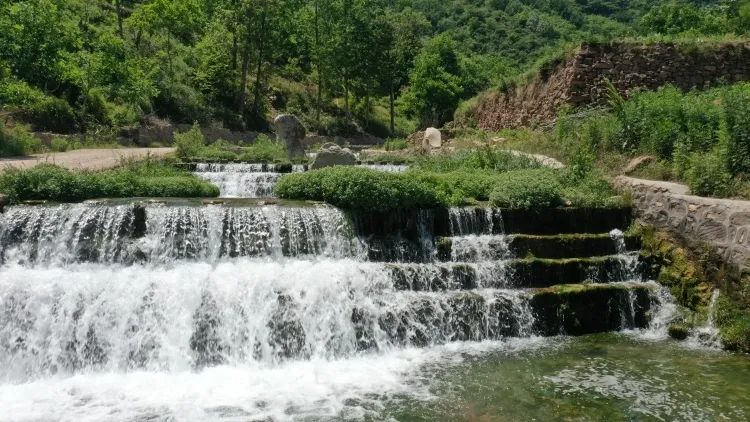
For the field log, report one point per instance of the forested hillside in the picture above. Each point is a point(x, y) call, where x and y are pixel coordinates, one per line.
point(342, 65)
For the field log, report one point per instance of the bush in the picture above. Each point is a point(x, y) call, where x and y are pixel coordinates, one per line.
point(45, 113)
point(150, 179)
point(358, 188)
point(395, 144)
point(17, 141)
point(736, 129)
point(527, 189)
point(191, 143)
point(707, 174)
point(494, 159)
point(59, 144)
point(264, 149)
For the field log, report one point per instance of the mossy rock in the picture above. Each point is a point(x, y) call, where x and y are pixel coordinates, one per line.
point(678, 331)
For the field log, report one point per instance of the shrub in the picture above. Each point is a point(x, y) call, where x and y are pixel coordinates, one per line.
point(40, 110)
point(395, 144)
point(707, 174)
point(264, 149)
point(59, 144)
point(736, 129)
point(49, 182)
point(527, 189)
point(190, 144)
point(488, 158)
point(358, 188)
point(17, 141)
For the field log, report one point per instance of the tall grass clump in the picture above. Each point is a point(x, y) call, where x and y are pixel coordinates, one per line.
point(145, 179)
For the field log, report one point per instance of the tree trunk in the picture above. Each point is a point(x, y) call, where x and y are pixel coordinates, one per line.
point(259, 66)
point(318, 60)
point(243, 80)
point(118, 11)
point(391, 101)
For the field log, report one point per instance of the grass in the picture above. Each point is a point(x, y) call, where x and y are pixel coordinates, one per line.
point(148, 178)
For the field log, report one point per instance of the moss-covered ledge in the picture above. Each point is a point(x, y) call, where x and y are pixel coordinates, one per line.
point(692, 273)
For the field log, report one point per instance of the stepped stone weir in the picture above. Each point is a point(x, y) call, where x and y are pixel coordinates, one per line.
point(108, 287)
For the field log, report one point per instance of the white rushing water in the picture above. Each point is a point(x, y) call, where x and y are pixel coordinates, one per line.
point(237, 180)
point(157, 312)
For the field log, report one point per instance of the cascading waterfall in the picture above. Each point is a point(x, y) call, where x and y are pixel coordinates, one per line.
point(628, 262)
point(236, 180)
point(99, 292)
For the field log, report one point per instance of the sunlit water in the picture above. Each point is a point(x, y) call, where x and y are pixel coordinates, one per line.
point(600, 377)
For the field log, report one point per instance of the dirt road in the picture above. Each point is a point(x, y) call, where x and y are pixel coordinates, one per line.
point(85, 159)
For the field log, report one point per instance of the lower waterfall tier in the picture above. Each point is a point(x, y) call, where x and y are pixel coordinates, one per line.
point(193, 315)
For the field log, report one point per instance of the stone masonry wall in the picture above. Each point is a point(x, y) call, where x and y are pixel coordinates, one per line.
point(579, 80)
point(721, 223)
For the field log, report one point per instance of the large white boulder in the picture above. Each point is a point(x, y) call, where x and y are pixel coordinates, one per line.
point(432, 138)
point(331, 154)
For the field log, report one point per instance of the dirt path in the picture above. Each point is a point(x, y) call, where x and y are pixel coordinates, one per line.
point(85, 159)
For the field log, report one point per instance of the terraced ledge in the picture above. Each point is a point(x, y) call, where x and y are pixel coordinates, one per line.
point(522, 273)
point(591, 308)
point(537, 246)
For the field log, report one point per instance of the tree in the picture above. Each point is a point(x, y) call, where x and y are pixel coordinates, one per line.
point(434, 83)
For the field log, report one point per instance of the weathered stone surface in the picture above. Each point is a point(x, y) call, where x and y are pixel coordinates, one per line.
point(432, 138)
point(331, 154)
point(723, 224)
point(290, 131)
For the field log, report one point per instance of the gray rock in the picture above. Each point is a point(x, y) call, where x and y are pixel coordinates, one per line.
point(290, 131)
point(331, 154)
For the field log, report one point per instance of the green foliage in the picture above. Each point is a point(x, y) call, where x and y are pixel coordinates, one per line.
point(733, 323)
point(707, 174)
point(736, 129)
point(17, 141)
point(191, 143)
point(59, 144)
point(358, 188)
point(494, 159)
point(148, 179)
point(264, 149)
point(527, 189)
point(395, 144)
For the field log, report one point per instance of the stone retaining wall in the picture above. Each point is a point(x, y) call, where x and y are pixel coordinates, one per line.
point(721, 223)
point(579, 79)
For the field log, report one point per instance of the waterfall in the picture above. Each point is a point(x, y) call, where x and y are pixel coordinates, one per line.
point(708, 334)
point(236, 180)
point(66, 233)
point(627, 262)
point(99, 297)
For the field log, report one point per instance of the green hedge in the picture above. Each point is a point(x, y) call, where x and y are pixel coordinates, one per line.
point(362, 188)
point(527, 189)
point(149, 179)
point(358, 188)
